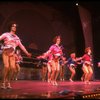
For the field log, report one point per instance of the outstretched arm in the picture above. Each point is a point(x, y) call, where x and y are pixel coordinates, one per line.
point(24, 49)
point(78, 59)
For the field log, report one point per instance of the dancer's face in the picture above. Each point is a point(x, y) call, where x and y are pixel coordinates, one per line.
point(89, 51)
point(13, 28)
point(58, 41)
point(73, 55)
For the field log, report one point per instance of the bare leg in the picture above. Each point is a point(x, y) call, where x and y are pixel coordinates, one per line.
point(82, 78)
point(72, 73)
point(5, 72)
point(90, 73)
point(53, 76)
point(57, 65)
point(49, 72)
point(17, 71)
point(12, 70)
point(61, 73)
point(86, 73)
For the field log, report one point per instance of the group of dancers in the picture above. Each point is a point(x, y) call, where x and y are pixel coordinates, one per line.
point(56, 60)
point(54, 55)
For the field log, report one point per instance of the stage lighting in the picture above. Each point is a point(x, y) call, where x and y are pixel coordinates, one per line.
point(88, 96)
point(76, 4)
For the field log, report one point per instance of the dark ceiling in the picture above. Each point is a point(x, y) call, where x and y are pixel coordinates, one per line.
point(92, 6)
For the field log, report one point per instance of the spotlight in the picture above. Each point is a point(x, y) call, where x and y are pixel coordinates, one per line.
point(76, 4)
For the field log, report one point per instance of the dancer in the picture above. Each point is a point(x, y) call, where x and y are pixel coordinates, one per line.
point(18, 60)
point(11, 41)
point(44, 65)
point(62, 67)
point(87, 65)
point(54, 53)
point(72, 64)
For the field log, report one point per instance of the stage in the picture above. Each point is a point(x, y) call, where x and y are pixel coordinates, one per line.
point(34, 89)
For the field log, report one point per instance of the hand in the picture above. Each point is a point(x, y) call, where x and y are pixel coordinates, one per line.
point(80, 58)
point(29, 55)
point(39, 57)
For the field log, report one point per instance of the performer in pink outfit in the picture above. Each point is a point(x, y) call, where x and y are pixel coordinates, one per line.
point(87, 65)
point(11, 41)
point(54, 53)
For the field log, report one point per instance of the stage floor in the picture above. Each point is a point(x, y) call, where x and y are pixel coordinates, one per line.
point(26, 89)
